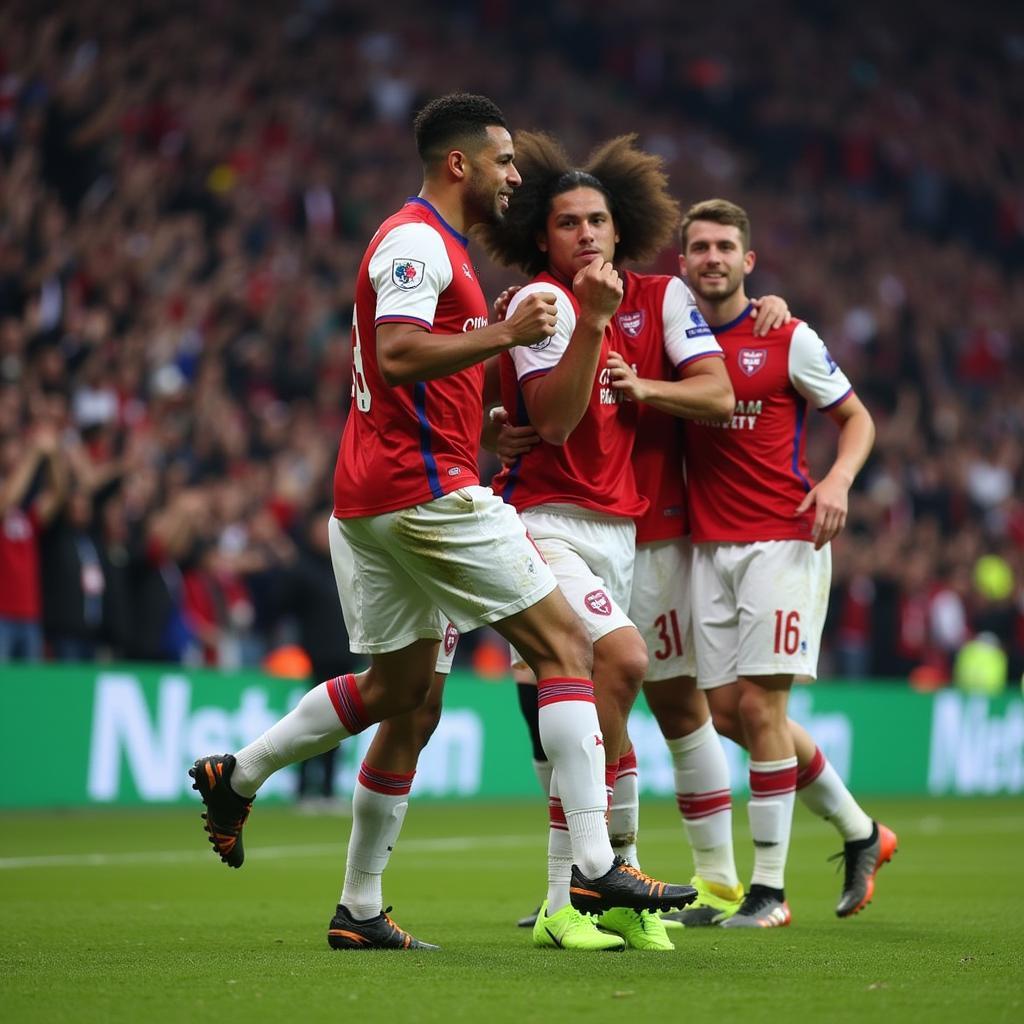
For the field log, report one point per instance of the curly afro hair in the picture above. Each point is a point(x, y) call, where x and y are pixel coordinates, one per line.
point(632, 181)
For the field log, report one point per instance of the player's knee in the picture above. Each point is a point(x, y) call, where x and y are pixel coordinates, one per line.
point(577, 651)
point(727, 724)
point(756, 713)
point(427, 719)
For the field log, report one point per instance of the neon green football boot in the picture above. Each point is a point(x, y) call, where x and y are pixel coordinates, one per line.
point(569, 929)
point(715, 903)
point(641, 929)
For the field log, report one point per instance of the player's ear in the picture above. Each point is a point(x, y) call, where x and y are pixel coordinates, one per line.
point(542, 241)
point(682, 264)
point(749, 259)
point(458, 164)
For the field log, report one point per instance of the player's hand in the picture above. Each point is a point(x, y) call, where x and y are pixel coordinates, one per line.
point(624, 380)
point(830, 500)
point(512, 442)
point(502, 301)
point(534, 319)
point(598, 288)
point(771, 312)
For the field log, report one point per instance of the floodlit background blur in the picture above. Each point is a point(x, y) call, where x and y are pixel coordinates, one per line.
point(185, 193)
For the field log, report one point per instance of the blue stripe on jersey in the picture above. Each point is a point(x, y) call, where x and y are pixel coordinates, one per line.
point(419, 397)
point(461, 239)
point(522, 420)
point(801, 417)
point(842, 398)
point(732, 323)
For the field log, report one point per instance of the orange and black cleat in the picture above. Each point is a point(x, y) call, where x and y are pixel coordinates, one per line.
point(226, 811)
point(380, 932)
point(623, 885)
point(862, 860)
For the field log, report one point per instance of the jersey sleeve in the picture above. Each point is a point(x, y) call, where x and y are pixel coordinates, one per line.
point(531, 360)
point(687, 335)
point(813, 371)
point(409, 270)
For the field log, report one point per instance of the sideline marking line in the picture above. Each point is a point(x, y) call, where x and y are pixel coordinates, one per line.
point(931, 825)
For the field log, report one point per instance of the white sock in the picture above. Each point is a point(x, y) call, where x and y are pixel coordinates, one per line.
point(772, 795)
point(543, 770)
point(701, 775)
point(571, 736)
point(825, 794)
point(311, 727)
point(624, 813)
point(379, 803)
point(559, 857)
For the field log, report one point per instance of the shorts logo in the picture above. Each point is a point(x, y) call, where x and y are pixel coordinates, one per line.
point(700, 327)
point(752, 359)
point(631, 323)
point(829, 361)
point(451, 638)
point(537, 346)
point(407, 274)
point(598, 602)
point(454, 471)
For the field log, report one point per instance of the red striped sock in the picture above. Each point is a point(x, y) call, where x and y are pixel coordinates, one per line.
point(348, 703)
point(556, 815)
point(610, 771)
point(562, 688)
point(806, 775)
point(386, 783)
point(694, 806)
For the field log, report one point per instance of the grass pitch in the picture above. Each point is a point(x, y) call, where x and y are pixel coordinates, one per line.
point(116, 916)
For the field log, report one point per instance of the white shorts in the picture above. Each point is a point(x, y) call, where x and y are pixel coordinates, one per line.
point(758, 609)
point(660, 606)
point(466, 553)
point(591, 556)
point(344, 563)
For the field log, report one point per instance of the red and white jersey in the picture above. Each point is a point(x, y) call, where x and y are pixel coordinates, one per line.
point(411, 443)
point(593, 469)
point(660, 319)
point(747, 477)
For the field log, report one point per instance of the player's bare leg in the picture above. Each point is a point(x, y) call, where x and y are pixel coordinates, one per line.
point(379, 804)
point(381, 798)
point(554, 643)
point(703, 794)
point(867, 844)
point(762, 714)
point(396, 682)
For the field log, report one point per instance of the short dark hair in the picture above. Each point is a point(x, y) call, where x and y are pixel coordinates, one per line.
point(632, 182)
point(458, 118)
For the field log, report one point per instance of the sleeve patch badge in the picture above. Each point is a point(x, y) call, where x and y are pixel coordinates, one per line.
point(407, 274)
point(700, 328)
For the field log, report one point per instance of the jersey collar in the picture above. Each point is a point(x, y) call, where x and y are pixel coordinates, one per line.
point(732, 323)
point(461, 239)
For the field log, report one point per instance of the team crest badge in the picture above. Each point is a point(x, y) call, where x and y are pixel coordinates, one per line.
point(752, 359)
point(451, 638)
point(407, 274)
point(598, 602)
point(631, 323)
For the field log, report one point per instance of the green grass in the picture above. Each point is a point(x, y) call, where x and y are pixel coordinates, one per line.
point(154, 929)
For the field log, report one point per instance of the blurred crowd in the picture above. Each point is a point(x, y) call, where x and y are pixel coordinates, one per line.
point(186, 191)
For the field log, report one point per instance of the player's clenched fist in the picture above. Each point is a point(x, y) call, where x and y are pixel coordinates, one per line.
point(598, 288)
point(534, 319)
